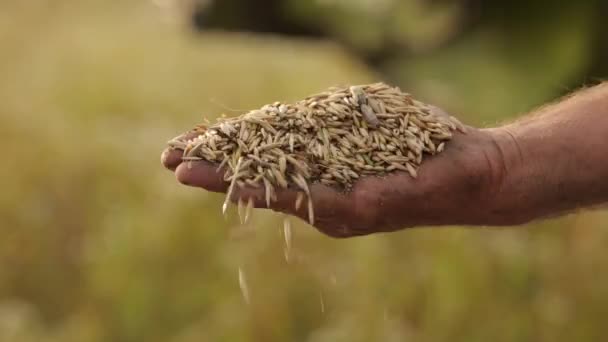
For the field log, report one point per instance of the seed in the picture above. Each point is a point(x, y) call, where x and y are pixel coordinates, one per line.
point(240, 210)
point(269, 146)
point(291, 142)
point(231, 188)
point(311, 212)
point(282, 164)
point(411, 170)
point(299, 167)
point(279, 178)
point(243, 285)
point(329, 182)
point(301, 182)
point(369, 116)
point(248, 209)
point(287, 232)
point(333, 138)
point(267, 191)
point(262, 123)
point(191, 158)
point(223, 163)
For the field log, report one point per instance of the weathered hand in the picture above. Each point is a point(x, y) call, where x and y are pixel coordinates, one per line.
point(453, 187)
point(547, 164)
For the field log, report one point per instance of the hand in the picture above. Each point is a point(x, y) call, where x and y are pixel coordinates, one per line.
point(454, 187)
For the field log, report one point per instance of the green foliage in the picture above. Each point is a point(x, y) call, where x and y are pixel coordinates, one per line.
point(99, 243)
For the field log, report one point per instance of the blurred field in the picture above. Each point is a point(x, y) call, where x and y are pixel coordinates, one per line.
point(99, 243)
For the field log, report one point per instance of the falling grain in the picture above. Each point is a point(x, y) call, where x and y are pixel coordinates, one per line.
point(231, 188)
point(241, 210)
point(287, 233)
point(243, 285)
point(248, 209)
point(311, 211)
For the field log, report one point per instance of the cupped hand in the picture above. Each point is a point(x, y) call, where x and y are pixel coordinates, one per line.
point(455, 187)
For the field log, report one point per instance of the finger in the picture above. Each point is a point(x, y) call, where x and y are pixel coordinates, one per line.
point(171, 157)
point(201, 174)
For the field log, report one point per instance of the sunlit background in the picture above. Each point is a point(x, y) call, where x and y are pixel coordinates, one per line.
point(99, 243)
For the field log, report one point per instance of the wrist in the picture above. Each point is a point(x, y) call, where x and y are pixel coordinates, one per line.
point(551, 162)
point(512, 178)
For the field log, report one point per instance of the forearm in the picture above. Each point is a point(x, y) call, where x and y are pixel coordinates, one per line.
point(556, 160)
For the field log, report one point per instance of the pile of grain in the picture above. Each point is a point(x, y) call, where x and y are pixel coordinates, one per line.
point(334, 138)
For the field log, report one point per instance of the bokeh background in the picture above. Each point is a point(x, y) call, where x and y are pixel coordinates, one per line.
point(99, 243)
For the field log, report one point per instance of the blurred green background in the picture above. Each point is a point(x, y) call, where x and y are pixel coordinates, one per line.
point(99, 243)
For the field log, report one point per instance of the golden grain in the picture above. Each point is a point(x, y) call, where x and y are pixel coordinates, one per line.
point(334, 138)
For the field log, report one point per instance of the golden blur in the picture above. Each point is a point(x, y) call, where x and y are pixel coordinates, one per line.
point(99, 243)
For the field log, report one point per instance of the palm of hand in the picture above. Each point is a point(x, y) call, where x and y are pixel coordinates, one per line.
point(452, 188)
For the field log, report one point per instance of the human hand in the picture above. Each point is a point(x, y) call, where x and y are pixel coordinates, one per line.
point(456, 186)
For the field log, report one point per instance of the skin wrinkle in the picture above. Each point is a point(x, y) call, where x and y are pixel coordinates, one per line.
point(562, 172)
point(514, 193)
point(498, 174)
point(519, 156)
